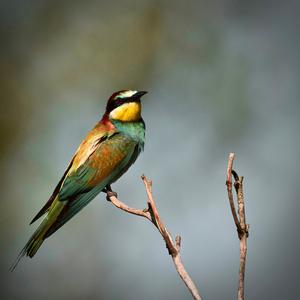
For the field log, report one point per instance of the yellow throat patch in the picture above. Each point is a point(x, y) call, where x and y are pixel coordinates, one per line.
point(127, 112)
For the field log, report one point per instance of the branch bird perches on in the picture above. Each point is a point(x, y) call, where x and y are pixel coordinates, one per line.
point(151, 214)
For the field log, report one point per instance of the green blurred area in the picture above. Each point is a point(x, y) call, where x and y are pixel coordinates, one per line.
point(222, 76)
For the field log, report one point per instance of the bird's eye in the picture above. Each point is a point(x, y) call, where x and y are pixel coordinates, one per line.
point(119, 101)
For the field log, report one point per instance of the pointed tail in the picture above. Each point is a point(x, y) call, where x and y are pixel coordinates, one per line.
point(38, 237)
point(30, 248)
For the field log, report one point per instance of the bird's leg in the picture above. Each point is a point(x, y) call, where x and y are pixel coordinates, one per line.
point(109, 192)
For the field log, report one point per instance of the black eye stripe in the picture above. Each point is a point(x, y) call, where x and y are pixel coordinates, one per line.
point(114, 103)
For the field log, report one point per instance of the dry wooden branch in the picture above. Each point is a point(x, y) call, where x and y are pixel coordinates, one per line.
point(151, 213)
point(241, 226)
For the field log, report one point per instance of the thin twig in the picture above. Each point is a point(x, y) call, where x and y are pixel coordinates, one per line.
point(151, 213)
point(241, 226)
point(230, 195)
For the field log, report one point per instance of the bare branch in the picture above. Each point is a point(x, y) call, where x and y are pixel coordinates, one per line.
point(156, 218)
point(151, 213)
point(116, 202)
point(230, 195)
point(242, 227)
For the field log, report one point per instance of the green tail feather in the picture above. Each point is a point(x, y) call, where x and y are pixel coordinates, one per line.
point(39, 235)
point(30, 248)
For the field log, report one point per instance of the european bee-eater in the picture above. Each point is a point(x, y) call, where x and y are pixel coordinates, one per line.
point(106, 153)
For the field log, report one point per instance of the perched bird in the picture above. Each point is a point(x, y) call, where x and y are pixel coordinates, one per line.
point(106, 153)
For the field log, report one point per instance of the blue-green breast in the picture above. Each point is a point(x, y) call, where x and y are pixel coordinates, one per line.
point(134, 130)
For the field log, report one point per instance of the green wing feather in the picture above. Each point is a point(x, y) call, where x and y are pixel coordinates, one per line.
point(82, 199)
point(108, 162)
point(71, 177)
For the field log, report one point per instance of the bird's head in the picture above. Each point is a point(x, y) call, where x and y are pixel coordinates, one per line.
point(125, 106)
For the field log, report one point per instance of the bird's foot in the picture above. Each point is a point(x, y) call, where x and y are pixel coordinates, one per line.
point(109, 192)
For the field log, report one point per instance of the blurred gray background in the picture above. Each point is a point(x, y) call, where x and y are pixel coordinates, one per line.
point(222, 76)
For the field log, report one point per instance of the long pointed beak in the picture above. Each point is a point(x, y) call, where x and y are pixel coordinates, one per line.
point(140, 94)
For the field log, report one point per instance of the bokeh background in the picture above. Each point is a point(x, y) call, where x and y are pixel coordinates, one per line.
point(222, 76)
